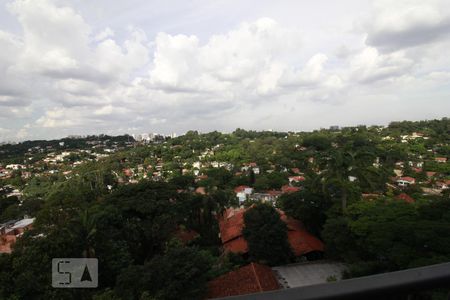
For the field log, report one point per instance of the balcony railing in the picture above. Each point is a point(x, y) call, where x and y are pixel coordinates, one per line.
point(380, 286)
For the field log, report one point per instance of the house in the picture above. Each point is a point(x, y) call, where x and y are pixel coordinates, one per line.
point(15, 167)
point(285, 189)
point(128, 172)
point(442, 185)
point(295, 170)
point(11, 231)
point(296, 179)
point(398, 172)
point(301, 241)
point(441, 159)
point(252, 278)
point(430, 174)
point(200, 190)
point(417, 170)
point(242, 192)
point(400, 164)
point(14, 193)
point(256, 170)
point(197, 165)
point(405, 181)
point(4, 173)
point(270, 196)
point(251, 166)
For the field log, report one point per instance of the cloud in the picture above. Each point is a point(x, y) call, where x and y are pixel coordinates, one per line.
point(369, 65)
point(62, 75)
point(407, 23)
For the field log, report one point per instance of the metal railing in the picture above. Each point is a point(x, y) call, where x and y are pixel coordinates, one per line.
point(380, 286)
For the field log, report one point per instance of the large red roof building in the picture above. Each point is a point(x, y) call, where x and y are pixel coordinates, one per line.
point(232, 223)
point(249, 279)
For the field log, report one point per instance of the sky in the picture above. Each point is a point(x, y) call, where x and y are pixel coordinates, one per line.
point(76, 67)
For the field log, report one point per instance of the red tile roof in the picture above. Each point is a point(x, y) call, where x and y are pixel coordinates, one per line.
point(240, 188)
point(289, 189)
point(405, 197)
point(253, 278)
point(300, 239)
point(295, 170)
point(200, 190)
point(128, 172)
point(296, 178)
point(232, 223)
point(417, 170)
point(407, 178)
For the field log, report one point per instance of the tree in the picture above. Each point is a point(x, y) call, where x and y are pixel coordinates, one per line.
point(181, 273)
point(266, 235)
point(317, 141)
point(341, 166)
point(388, 235)
point(147, 214)
point(308, 206)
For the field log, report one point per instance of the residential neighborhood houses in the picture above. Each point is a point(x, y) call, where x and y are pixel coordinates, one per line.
point(204, 165)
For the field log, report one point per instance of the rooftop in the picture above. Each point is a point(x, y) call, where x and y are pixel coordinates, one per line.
point(249, 279)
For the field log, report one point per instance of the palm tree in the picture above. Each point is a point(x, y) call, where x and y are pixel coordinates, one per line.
point(344, 167)
point(85, 229)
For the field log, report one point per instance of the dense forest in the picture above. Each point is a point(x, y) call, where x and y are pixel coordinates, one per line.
point(128, 208)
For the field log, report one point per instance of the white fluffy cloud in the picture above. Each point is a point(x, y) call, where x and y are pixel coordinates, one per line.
point(407, 23)
point(62, 75)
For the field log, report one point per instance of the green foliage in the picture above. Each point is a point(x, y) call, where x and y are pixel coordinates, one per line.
point(181, 273)
point(270, 181)
point(318, 141)
point(266, 235)
point(387, 235)
point(307, 206)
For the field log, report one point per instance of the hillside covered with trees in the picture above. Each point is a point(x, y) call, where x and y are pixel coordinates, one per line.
point(377, 197)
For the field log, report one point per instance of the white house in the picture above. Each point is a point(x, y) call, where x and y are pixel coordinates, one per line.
point(242, 192)
point(405, 181)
